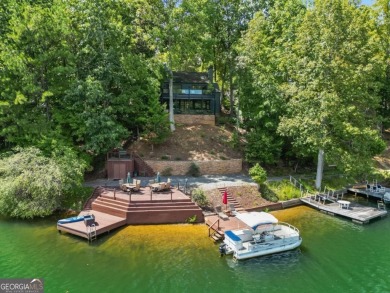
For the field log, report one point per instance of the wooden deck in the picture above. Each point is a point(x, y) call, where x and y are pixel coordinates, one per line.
point(231, 223)
point(356, 212)
point(114, 208)
point(368, 193)
point(145, 194)
point(104, 223)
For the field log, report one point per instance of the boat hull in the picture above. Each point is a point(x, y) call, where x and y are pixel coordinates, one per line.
point(262, 252)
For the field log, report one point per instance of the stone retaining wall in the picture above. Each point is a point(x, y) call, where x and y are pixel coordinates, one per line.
point(214, 167)
point(195, 119)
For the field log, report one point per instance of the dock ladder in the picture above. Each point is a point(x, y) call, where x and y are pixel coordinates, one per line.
point(91, 232)
point(381, 205)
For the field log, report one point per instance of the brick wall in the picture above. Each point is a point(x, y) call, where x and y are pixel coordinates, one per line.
point(206, 167)
point(195, 119)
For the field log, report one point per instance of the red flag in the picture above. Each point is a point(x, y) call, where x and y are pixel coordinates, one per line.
point(224, 197)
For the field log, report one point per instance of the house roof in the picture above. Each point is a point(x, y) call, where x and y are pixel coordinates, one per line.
point(190, 77)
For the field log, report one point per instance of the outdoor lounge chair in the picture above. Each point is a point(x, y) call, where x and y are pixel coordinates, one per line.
point(221, 214)
point(232, 209)
point(137, 186)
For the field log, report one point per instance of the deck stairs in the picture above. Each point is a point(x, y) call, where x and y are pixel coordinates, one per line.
point(231, 199)
point(142, 167)
point(149, 212)
point(88, 204)
point(215, 233)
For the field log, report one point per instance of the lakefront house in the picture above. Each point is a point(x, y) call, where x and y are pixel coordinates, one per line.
point(196, 98)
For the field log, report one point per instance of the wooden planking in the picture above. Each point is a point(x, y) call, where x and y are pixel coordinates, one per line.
point(104, 223)
point(231, 224)
point(368, 193)
point(356, 212)
point(113, 208)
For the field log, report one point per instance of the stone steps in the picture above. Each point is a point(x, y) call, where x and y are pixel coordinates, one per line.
point(231, 199)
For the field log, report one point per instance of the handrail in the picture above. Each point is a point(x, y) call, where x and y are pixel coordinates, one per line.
point(211, 226)
point(290, 226)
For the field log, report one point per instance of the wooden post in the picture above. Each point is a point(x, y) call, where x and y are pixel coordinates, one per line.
point(171, 195)
point(114, 194)
point(151, 192)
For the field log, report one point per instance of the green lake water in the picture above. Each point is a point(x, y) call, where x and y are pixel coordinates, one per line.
point(336, 256)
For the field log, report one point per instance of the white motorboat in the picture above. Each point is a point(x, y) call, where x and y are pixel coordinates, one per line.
point(266, 235)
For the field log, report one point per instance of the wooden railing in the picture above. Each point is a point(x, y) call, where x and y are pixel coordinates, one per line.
point(211, 228)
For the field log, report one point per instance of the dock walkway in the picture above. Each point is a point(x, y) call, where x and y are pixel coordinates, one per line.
point(113, 208)
point(356, 212)
point(103, 222)
point(368, 193)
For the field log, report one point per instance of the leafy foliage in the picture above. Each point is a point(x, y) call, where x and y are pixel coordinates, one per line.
point(332, 89)
point(258, 174)
point(199, 197)
point(193, 170)
point(34, 185)
point(284, 190)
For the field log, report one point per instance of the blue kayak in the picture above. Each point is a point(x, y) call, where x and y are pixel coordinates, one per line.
point(73, 219)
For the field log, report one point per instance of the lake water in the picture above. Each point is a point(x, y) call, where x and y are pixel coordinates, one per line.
point(336, 256)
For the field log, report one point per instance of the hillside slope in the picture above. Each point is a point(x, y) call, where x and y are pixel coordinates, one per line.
point(383, 160)
point(191, 142)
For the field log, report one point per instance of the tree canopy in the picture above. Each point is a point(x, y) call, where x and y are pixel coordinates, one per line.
point(31, 184)
point(86, 75)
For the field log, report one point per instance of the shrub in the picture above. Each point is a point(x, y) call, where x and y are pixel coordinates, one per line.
point(33, 185)
point(258, 174)
point(193, 170)
point(191, 219)
point(200, 198)
point(235, 140)
point(164, 157)
point(284, 189)
point(167, 171)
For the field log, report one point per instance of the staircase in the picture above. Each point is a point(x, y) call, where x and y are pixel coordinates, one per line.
point(140, 165)
point(231, 199)
point(88, 204)
point(149, 212)
point(214, 230)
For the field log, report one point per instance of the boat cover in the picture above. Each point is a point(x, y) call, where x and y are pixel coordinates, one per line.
point(255, 219)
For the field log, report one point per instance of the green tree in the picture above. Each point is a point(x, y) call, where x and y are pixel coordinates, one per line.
point(258, 174)
point(76, 73)
point(226, 20)
point(262, 75)
point(382, 16)
point(332, 90)
point(32, 185)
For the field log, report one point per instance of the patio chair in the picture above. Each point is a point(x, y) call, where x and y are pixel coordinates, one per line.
point(232, 209)
point(381, 188)
point(137, 186)
point(220, 213)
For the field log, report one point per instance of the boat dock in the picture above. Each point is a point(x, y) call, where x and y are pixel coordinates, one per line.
point(379, 194)
point(103, 223)
point(351, 210)
point(113, 208)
